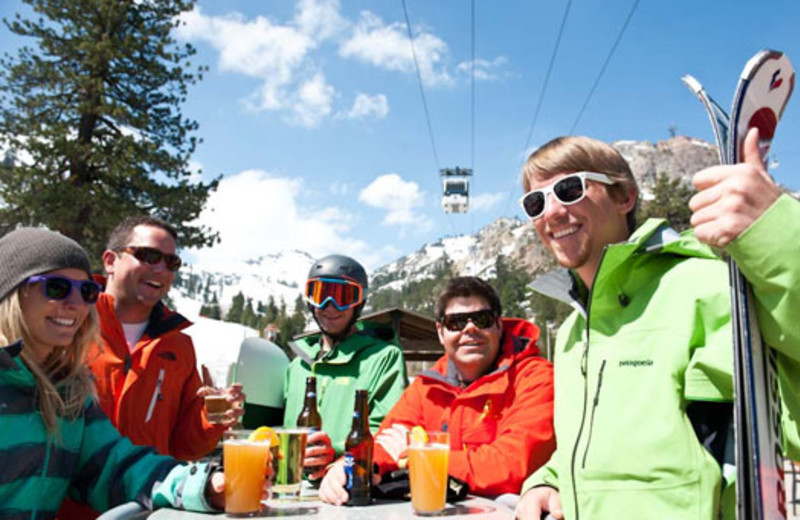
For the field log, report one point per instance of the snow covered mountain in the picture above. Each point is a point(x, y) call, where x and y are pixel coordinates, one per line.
point(282, 275)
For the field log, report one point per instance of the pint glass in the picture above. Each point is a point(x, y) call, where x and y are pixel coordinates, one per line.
point(288, 467)
point(245, 463)
point(427, 466)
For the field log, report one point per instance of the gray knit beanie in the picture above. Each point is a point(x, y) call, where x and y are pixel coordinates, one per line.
point(26, 252)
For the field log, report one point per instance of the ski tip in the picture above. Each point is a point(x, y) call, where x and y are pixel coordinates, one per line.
point(692, 83)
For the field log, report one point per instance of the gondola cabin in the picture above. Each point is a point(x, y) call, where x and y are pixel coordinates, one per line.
point(455, 189)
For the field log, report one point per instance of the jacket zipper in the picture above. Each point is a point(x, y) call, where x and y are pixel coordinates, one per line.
point(584, 370)
point(594, 407)
point(156, 393)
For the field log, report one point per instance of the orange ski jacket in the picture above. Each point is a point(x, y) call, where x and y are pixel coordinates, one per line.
point(150, 393)
point(501, 425)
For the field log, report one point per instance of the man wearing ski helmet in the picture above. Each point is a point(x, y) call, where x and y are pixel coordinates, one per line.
point(344, 356)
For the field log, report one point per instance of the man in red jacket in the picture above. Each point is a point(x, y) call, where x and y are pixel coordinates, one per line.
point(145, 367)
point(490, 390)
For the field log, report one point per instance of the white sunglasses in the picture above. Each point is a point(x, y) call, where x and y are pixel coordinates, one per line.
point(567, 190)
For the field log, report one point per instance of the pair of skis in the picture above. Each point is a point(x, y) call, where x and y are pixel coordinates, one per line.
point(764, 88)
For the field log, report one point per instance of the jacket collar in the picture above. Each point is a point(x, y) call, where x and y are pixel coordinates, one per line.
point(9, 354)
point(366, 335)
point(161, 322)
point(653, 237)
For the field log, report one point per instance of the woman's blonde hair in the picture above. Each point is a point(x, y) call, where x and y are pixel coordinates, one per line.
point(63, 381)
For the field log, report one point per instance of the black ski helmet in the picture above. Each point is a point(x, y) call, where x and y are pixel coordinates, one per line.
point(340, 266)
point(343, 267)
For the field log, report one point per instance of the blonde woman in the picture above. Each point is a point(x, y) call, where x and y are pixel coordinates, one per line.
point(54, 439)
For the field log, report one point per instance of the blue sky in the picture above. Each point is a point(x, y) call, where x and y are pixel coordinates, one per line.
point(311, 108)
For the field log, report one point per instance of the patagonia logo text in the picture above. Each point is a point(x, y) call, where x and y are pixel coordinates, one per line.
point(636, 363)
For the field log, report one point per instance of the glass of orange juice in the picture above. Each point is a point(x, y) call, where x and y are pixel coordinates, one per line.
point(245, 457)
point(427, 465)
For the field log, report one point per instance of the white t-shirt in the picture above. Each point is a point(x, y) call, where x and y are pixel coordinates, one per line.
point(133, 332)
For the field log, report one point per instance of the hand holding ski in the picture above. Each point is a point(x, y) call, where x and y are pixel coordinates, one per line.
point(731, 198)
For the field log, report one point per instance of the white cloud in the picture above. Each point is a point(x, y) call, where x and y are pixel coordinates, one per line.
point(257, 213)
point(484, 70)
point(285, 57)
point(313, 102)
point(485, 201)
point(365, 106)
point(319, 18)
point(399, 198)
point(387, 46)
point(278, 55)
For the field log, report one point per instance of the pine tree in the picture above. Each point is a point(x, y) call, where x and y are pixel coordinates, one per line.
point(670, 201)
point(237, 308)
point(94, 101)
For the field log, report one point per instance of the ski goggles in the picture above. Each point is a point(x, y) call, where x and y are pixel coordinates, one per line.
point(456, 322)
point(567, 190)
point(152, 256)
point(60, 287)
point(342, 293)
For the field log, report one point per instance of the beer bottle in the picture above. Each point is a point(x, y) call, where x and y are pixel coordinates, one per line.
point(358, 454)
point(309, 416)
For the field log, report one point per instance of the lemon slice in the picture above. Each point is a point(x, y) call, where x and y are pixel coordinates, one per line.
point(262, 434)
point(419, 435)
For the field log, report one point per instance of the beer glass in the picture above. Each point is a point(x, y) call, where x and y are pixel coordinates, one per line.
point(216, 406)
point(245, 462)
point(288, 467)
point(427, 467)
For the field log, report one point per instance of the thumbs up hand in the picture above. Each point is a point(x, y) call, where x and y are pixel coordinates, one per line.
point(732, 197)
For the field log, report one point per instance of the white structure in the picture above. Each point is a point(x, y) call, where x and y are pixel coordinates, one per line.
point(455, 189)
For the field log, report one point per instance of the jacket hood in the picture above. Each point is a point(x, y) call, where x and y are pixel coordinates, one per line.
point(518, 341)
point(654, 236)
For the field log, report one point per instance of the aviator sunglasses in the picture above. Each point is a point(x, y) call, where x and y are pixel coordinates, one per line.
point(152, 256)
point(60, 287)
point(456, 322)
point(567, 190)
point(342, 293)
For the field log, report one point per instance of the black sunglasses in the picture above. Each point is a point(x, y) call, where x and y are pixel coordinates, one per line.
point(567, 190)
point(152, 256)
point(482, 319)
point(60, 287)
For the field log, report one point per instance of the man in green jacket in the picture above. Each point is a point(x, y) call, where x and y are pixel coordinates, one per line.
point(643, 383)
point(344, 357)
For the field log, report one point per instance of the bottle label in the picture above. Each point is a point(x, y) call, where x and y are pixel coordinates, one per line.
point(349, 466)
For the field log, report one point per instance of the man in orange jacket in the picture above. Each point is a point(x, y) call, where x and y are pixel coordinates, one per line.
point(145, 367)
point(491, 391)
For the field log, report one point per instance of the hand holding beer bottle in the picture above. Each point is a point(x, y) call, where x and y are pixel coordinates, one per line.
point(319, 452)
point(350, 480)
point(358, 454)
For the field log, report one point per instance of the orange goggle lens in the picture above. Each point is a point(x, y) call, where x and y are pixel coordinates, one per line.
point(343, 294)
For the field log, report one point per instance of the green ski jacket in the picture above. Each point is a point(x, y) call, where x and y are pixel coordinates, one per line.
point(368, 360)
point(88, 461)
point(652, 336)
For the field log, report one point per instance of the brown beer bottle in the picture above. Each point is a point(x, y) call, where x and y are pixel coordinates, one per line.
point(358, 454)
point(309, 416)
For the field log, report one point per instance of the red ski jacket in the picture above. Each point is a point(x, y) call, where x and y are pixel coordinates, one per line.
point(501, 425)
point(150, 393)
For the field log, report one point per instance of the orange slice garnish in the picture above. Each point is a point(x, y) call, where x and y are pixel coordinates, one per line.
point(263, 434)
